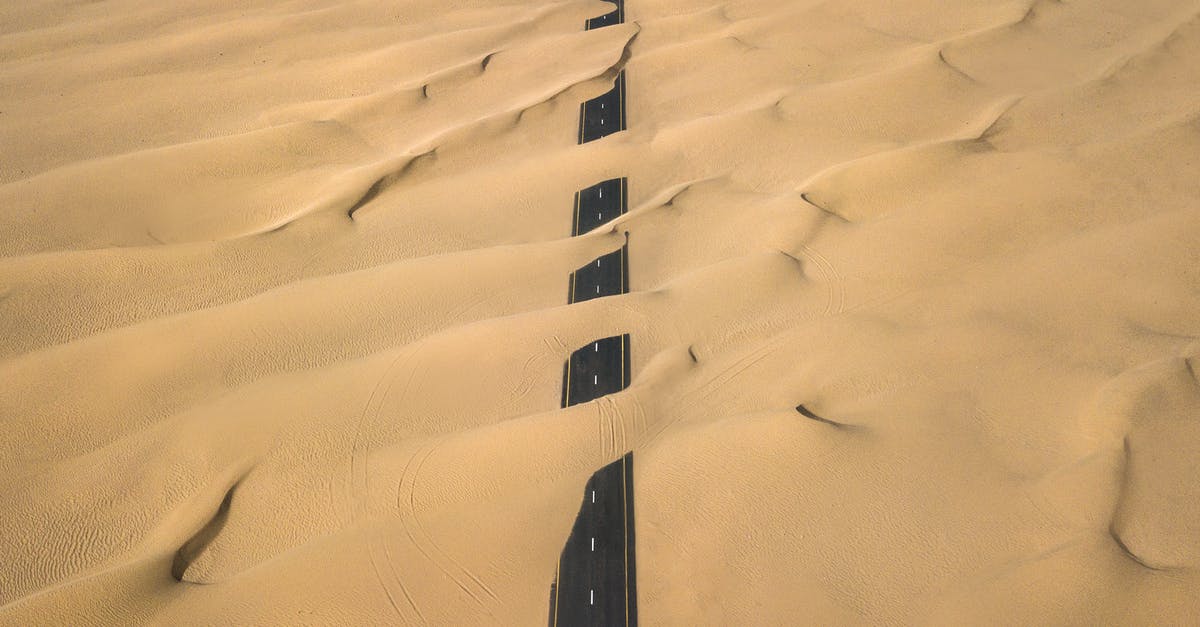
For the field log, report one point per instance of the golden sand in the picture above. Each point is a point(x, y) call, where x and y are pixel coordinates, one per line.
point(291, 275)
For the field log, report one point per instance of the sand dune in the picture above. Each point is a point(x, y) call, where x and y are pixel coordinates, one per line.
point(283, 292)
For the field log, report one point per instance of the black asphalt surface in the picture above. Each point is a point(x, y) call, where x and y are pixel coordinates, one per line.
point(616, 16)
point(596, 580)
point(599, 204)
point(605, 276)
point(595, 583)
point(600, 368)
point(605, 114)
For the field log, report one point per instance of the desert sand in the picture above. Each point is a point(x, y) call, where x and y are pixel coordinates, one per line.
point(282, 293)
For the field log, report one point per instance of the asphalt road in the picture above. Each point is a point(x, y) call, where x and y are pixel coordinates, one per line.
point(616, 16)
point(605, 276)
point(599, 204)
point(601, 367)
point(604, 114)
point(596, 579)
point(595, 582)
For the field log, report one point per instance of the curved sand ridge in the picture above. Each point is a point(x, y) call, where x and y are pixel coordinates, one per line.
point(282, 293)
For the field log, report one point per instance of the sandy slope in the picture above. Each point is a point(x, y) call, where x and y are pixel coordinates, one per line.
point(283, 288)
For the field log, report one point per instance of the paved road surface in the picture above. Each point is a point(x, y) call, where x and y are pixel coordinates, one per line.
point(596, 579)
point(605, 276)
point(604, 114)
point(599, 204)
point(601, 367)
point(616, 16)
point(595, 583)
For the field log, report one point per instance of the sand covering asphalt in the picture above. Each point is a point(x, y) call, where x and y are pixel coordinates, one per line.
point(283, 320)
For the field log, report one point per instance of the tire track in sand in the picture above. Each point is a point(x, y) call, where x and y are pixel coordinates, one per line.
point(359, 488)
point(423, 541)
point(834, 280)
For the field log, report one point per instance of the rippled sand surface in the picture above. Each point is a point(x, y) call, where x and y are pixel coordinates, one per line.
point(283, 286)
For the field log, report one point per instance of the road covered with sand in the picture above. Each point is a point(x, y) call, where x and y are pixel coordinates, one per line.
point(283, 309)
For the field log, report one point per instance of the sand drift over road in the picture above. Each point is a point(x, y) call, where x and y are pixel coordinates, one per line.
point(902, 299)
